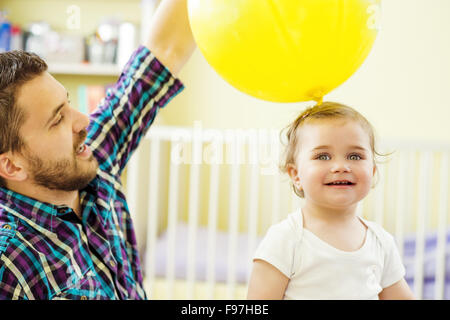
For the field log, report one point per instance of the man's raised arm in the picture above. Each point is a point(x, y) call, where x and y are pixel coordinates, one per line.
point(170, 38)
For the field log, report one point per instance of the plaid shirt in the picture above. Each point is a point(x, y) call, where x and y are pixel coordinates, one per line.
point(46, 251)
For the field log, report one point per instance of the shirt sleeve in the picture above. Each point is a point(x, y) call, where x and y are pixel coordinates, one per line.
point(394, 269)
point(278, 248)
point(129, 108)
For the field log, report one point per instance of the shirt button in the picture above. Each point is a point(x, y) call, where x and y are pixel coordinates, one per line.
point(112, 264)
point(83, 298)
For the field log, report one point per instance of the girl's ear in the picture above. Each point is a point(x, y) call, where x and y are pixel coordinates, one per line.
point(11, 169)
point(293, 173)
point(374, 176)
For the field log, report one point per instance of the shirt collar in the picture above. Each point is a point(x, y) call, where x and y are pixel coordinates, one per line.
point(37, 212)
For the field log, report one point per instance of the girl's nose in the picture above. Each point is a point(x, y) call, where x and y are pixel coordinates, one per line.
point(340, 166)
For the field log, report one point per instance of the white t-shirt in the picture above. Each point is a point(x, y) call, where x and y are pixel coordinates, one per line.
point(318, 270)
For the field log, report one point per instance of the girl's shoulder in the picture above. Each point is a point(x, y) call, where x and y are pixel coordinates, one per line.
point(291, 227)
point(280, 245)
point(383, 236)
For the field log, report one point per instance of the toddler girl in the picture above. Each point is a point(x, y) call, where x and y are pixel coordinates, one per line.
point(324, 250)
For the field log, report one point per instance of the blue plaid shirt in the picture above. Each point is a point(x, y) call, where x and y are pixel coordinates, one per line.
point(46, 251)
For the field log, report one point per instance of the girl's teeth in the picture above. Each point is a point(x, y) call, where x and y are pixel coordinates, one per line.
point(340, 182)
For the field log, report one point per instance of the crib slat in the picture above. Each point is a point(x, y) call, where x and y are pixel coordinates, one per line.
point(401, 168)
point(152, 212)
point(171, 224)
point(253, 202)
point(212, 225)
point(442, 227)
point(233, 219)
point(194, 187)
point(410, 188)
point(423, 207)
point(389, 192)
point(379, 196)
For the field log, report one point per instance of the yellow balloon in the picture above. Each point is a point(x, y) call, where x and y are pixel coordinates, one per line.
point(285, 50)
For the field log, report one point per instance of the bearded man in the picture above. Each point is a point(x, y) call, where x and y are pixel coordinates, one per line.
point(65, 228)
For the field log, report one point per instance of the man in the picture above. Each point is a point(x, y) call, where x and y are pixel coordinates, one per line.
point(65, 229)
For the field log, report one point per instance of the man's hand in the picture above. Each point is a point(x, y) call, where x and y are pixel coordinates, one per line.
point(170, 38)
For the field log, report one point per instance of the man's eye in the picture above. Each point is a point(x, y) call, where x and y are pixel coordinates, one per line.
point(354, 157)
point(323, 157)
point(58, 121)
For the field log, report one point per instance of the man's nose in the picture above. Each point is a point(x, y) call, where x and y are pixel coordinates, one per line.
point(80, 121)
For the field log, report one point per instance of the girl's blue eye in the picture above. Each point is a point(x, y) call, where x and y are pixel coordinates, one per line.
point(354, 157)
point(323, 157)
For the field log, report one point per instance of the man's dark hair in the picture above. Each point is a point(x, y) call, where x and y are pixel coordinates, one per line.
point(16, 68)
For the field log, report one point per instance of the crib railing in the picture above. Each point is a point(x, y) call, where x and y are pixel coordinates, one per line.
point(202, 199)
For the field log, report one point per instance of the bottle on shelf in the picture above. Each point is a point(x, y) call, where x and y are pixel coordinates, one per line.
point(5, 32)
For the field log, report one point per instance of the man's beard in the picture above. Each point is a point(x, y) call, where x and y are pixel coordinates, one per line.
point(63, 174)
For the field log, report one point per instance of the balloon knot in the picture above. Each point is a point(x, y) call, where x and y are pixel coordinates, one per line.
point(319, 100)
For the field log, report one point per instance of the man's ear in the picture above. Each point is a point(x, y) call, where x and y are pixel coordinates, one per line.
point(10, 168)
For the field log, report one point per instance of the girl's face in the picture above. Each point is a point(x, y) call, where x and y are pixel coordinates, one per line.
point(334, 164)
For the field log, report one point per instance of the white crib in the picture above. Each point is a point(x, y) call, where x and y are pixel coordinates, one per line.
point(201, 200)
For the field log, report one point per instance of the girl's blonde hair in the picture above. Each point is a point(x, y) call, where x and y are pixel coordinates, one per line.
point(327, 110)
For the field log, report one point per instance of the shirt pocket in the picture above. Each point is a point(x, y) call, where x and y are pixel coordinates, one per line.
point(7, 231)
point(88, 287)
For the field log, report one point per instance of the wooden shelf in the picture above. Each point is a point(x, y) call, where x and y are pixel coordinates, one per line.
point(86, 69)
